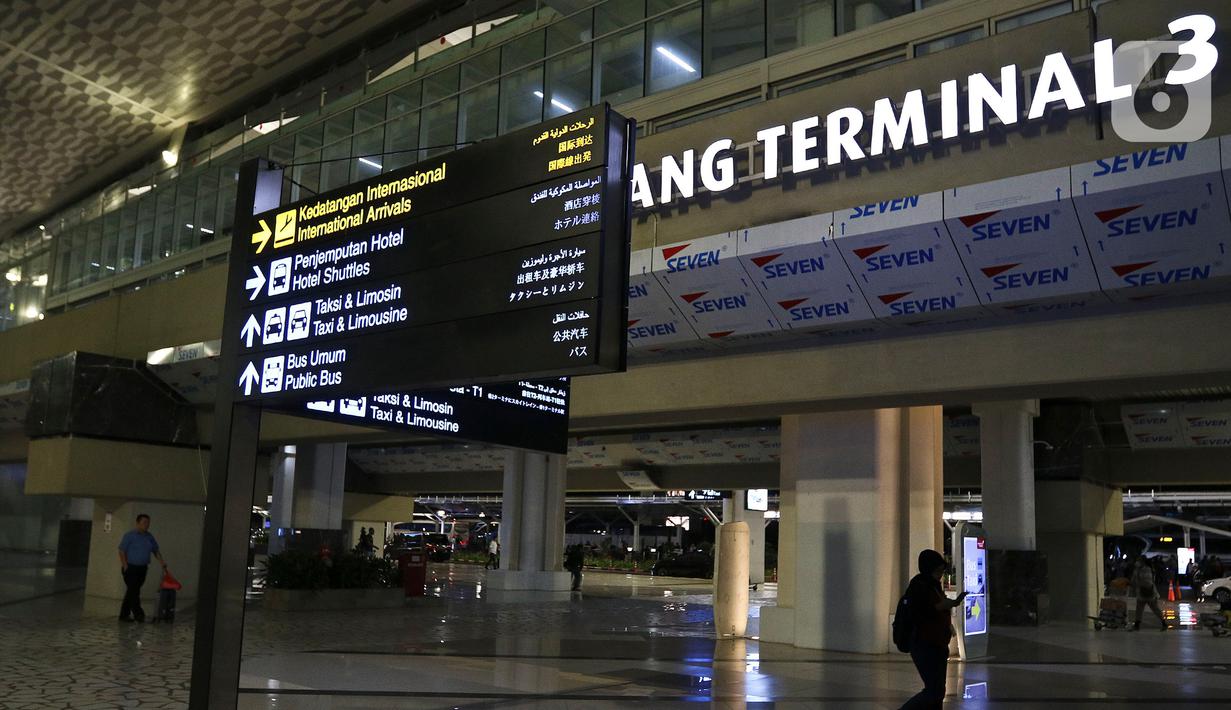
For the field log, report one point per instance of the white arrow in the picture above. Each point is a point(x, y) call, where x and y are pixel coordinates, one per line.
point(248, 379)
point(251, 330)
point(255, 283)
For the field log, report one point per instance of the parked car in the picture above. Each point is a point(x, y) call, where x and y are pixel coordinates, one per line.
point(689, 564)
point(1219, 589)
point(437, 546)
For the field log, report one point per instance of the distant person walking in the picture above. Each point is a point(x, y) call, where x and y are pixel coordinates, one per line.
point(574, 562)
point(1147, 592)
point(493, 554)
point(931, 621)
point(136, 548)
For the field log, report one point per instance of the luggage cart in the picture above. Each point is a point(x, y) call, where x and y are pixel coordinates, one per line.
point(1112, 614)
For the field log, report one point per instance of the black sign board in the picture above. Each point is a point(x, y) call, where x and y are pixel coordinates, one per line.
point(501, 262)
point(530, 414)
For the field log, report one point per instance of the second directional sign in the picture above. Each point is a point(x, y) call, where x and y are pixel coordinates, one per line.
point(507, 260)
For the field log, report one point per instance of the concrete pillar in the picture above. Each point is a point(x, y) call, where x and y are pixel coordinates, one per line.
point(178, 528)
point(532, 524)
point(731, 580)
point(1074, 517)
point(308, 489)
point(857, 492)
point(1006, 449)
point(734, 510)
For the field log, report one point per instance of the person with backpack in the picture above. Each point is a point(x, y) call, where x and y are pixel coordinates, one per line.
point(1147, 592)
point(923, 627)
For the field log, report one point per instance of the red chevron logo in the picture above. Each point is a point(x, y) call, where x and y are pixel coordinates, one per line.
point(971, 220)
point(865, 252)
point(1124, 269)
point(721, 334)
point(1107, 215)
point(669, 252)
point(633, 322)
point(789, 304)
point(690, 297)
point(763, 260)
point(991, 271)
point(891, 297)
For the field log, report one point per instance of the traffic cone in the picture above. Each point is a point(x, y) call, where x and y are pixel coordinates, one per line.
point(1171, 591)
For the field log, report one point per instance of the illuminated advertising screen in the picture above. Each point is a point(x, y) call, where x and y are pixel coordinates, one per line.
point(974, 573)
point(758, 499)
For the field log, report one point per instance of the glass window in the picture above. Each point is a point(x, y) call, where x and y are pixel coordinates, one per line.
point(521, 51)
point(438, 128)
point(76, 269)
point(568, 83)
point(164, 223)
point(1029, 18)
point(145, 231)
point(734, 34)
point(798, 23)
point(206, 218)
point(401, 140)
point(111, 237)
point(128, 237)
point(185, 209)
point(441, 84)
point(405, 99)
point(307, 171)
point(94, 251)
point(476, 118)
point(369, 141)
point(858, 14)
point(570, 32)
point(481, 68)
point(617, 14)
point(521, 99)
point(227, 186)
point(335, 169)
point(675, 50)
point(950, 41)
point(653, 7)
point(619, 72)
point(63, 257)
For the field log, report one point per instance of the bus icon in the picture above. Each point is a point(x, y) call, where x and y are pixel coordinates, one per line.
point(280, 277)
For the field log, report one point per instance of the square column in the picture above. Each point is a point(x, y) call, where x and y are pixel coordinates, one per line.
point(178, 528)
point(859, 491)
point(1076, 516)
point(532, 524)
point(1006, 459)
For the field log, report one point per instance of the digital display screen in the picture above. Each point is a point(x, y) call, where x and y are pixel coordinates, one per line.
point(530, 414)
point(974, 583)
point(757, 499)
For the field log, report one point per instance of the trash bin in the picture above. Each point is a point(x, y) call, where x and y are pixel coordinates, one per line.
point(414, 573)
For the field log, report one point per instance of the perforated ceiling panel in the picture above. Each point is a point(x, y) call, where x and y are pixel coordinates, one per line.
point(81, 81)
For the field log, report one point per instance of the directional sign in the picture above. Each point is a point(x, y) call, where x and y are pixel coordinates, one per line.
point(506, 261)
point(530, 414)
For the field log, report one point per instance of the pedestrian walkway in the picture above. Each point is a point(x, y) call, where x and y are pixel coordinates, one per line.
point(622, 640)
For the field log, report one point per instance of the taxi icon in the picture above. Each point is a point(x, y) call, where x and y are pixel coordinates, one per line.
point(274, 326)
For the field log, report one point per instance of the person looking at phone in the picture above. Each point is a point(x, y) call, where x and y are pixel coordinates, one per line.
point(931, 618)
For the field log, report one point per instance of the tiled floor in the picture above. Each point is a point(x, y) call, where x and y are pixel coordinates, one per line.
point(623, 641)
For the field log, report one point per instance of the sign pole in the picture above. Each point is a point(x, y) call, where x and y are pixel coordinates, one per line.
point(218, 640)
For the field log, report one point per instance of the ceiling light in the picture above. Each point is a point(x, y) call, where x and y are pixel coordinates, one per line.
point(372, 163)
point(680, 62)
point(557, 103)
point(31, 313)
point(207, 230)
point(170, 158)
point(13, 275)
point(41, 228)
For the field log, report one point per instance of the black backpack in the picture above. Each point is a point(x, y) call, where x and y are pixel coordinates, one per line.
point(903, 625)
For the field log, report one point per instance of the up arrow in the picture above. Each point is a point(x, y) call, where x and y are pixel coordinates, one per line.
point(255, 282)
point(251, 329)
point(248, 379)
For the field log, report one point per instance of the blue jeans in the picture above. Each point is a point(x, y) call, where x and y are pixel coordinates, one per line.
point(932, 663)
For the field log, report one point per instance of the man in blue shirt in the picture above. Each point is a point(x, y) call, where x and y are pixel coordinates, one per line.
point(136, 548)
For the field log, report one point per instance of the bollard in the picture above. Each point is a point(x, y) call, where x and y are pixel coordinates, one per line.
point(731, 580)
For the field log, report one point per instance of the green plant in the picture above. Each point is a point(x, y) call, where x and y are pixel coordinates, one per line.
point(296, 569)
